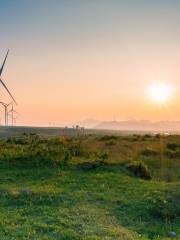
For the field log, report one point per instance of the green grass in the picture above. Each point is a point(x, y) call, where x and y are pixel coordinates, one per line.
point(65, 202)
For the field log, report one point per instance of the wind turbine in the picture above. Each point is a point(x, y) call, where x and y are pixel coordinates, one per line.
point(15, 120)
point(4, 85)
point(11, 112)
point(5, 105)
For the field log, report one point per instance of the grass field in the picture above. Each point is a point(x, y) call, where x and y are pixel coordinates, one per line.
point(48, 192)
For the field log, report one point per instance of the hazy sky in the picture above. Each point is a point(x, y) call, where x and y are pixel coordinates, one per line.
point(76, 59)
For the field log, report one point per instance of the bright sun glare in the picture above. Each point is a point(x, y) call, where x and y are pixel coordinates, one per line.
point(159, 93)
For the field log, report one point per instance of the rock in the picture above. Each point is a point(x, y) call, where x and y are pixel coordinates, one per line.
point(87, 165)
point(172, 234)
point(25, 191)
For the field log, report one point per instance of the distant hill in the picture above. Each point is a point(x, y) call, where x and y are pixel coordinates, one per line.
point(131, 125)
point(140, 125)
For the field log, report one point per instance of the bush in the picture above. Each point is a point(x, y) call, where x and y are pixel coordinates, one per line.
point(76, 149)
point(66, 158)
point(139, 169)
point(110, 143)
point(34, 151)
point(100, 158)
point(157, 136)
point(173, 153)
point(172, 146)
point(164, 204)
point(20, 140)
point(108, 137)
point(149, 152)
point(146, 137)
point(135, 138)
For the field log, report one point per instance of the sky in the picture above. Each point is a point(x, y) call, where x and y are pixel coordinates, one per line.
point(75, 59)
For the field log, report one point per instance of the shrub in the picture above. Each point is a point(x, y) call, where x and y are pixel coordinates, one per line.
point(66, 158)
point(100, 158)
point(146, 137)
point(135, 138)
point(110, 143)
point(164, 204)
point(19, 140)
point(34, 151)
point(76, 149)
point(172, 146)
point(149, 152)
point(157, 136)
point(173, 153)
point(108, 137)
point(139, 169)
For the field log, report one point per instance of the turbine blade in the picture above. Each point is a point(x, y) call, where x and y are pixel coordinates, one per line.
point(1, 70)
point(8, 91)
point(2, 102)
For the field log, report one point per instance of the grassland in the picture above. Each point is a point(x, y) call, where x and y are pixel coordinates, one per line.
point(47, 192)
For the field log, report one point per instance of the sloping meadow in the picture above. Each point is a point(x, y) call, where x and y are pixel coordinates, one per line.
point(47, 193)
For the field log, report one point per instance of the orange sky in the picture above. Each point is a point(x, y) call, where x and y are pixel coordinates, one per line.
point(71, 61)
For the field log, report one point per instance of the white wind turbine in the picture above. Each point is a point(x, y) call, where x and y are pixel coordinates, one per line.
point(5, 105)
point(11, 113)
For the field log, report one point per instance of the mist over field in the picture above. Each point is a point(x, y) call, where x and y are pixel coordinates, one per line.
point(132, 125)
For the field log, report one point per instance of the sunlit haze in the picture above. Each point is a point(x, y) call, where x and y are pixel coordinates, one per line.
point(159, 93)
point(74, 60)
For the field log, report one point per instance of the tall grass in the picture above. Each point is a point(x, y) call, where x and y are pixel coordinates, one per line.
point(159, 154)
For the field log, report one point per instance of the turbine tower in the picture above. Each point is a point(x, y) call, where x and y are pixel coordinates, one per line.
point(4, 85)
point(14, 120)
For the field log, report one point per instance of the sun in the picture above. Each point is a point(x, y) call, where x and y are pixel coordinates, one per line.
point(160, 93)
